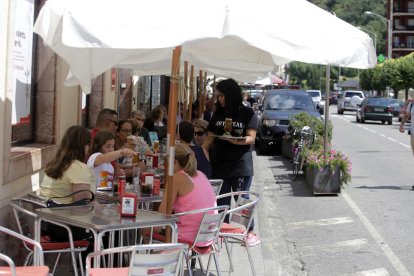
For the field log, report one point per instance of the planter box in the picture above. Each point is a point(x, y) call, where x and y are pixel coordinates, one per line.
point(323, 182)
point(287, 148)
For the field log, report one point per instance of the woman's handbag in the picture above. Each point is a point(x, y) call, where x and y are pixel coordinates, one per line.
point(50, 203)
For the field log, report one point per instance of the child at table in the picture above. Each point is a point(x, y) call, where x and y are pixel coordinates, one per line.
point(102, 154)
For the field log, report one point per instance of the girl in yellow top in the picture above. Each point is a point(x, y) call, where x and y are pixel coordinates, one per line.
point(68, 173)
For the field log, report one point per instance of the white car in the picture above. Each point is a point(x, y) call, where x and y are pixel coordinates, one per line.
point(317, 98)
point(349, 100)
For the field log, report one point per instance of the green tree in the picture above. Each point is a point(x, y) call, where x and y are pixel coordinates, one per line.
point(380, 79)
point(365, 79)
point(401, 74)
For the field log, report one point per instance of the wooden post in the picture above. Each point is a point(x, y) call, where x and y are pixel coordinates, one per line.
point(190, 106)
point(200, 94)
point(185, 104)
point(172, 116)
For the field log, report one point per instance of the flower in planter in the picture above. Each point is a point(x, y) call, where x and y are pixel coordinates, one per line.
point(334, 159)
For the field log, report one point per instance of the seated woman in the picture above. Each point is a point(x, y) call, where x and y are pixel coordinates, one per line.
point(200, 131)
point(124, 130)
point(191, 190)
point(186, 136)
point(68, 173)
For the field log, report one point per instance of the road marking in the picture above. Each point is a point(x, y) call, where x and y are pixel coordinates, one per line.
point(371, 272)
point(319, 222)
point(373, 131)
point(395, 261)
point(404, 145)
point(350, 243)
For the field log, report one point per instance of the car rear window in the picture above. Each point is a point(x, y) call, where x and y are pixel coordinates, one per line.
point(378, 101)
point(351, 94)
point(289, 101)
point(314, 94)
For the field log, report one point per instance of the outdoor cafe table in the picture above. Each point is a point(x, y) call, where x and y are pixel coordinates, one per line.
point(104, 218)
point(145, 201)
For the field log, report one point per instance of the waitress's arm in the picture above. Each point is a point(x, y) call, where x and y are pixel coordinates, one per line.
point(250, 138)
point(208, 142)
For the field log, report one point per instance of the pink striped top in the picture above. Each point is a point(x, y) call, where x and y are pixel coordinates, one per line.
point(202, 196)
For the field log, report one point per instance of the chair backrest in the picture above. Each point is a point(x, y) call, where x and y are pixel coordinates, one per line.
point(148, 259)
point(216, 184)
point(245, 205)
point(167, 259)
point(23, 210)
point(38, 261)
point(210, 223)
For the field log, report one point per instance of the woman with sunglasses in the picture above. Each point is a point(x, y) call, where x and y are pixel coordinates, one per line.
point(231, 159)
point(200, 131)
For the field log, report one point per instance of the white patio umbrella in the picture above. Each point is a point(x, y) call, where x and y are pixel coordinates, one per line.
point(229, 37)
point(226, 36)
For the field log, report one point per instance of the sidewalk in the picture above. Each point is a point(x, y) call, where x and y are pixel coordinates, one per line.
point(265, 257)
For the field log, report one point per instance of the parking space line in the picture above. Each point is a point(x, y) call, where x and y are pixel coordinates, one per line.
point(395, 261)
point(371, 272)
point(319, 222)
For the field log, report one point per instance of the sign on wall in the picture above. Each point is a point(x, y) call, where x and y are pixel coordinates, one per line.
point(22, 62)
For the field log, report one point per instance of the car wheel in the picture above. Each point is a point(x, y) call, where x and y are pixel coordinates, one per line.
point(390, 122)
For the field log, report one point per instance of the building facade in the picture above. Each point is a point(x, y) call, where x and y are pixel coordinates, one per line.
point(401, 17)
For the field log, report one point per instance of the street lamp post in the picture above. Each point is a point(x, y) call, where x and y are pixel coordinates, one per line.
point(389, 31)
point(372, 33)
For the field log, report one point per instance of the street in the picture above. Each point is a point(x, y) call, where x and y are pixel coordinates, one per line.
point(366, 230)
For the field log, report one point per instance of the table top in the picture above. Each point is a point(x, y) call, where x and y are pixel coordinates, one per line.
point(104, 217)
point(110, 196)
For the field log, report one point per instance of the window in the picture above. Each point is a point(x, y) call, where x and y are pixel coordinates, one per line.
point(23, 74)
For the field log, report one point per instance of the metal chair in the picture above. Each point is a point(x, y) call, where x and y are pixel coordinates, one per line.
point(38, 268)
point(148, 259)
point(29, 225)
point(240, 219)
point(205, 242)
point(216, 184)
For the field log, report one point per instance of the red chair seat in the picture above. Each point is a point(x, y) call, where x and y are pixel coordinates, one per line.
point(49, 245)
point(25, 271)
point(118, 271)
point(228, 228)
point(198, 249)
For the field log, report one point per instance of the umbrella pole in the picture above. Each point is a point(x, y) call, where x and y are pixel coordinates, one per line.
point(325, 133)
point(172, 112)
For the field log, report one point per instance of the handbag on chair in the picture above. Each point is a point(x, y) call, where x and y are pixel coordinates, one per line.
point(50, 203)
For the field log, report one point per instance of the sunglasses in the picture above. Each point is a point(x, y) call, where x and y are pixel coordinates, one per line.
point(199, 133)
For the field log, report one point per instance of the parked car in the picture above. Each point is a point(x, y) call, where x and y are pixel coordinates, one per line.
point(396, 105)
point(349, 100)
point(375, 109)
point(403, 109)
point(333, 97)
point(274, 113)
point(317, 99)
